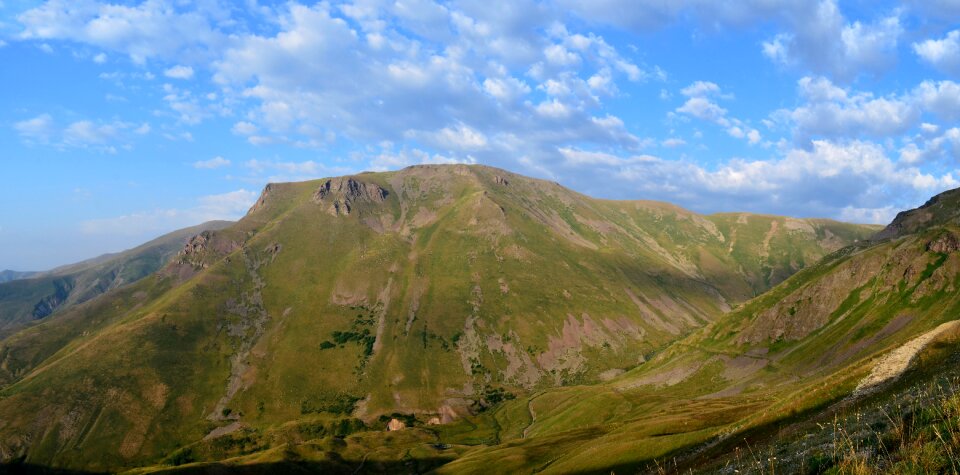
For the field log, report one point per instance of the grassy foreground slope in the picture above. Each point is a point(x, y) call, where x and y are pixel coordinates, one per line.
point(33, 296)
point(433, 293)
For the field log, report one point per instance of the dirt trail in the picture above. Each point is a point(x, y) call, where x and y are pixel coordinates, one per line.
point(896, 362)
point(533, 417)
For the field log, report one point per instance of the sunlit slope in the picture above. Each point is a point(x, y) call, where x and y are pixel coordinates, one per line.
point(434, 291)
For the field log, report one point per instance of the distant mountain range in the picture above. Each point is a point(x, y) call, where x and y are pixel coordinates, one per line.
point(27, 297)
point(500, 323)
point(8, 275)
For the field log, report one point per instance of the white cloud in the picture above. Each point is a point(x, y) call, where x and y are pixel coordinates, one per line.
point(100, 58)
point(822, 181)
point(505, 89)
point(821, 40)
point(229, 206)
point(286, 171)
point(700, 88)
point(673, 143)
point(459, 137)
point(554, 109)
point(881, 215)
point(814, 34)
point(832, 111)
point(99, 135)
point(560, 56)
point(244, 128)
point(179, 72)
point(39, 128)
point(751, 135)
point(941, 98)
point(154, 28)
point(185, 106)
point(704, 109)
point(85, 132)
point(942, 54)
point(215, 162)
point(392, 160)
point(577, 158)
point(944, 147)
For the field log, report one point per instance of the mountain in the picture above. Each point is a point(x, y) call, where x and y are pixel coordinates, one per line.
point(451, 298)
point(28, 297)
point(8, 275)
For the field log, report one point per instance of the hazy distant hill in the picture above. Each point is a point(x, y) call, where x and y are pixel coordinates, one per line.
point(30, 296)
point(8, 275)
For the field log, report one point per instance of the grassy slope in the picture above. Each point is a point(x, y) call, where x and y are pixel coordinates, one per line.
point(456, 290)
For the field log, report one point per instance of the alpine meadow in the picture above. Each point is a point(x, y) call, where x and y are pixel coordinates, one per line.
point(464, 237)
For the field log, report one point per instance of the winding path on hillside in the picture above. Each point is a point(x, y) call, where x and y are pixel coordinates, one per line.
point(892, 365)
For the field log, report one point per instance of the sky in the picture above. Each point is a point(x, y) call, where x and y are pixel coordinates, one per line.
point(123, 120)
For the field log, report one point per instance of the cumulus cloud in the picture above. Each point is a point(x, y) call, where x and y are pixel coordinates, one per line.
point(104, 136)
point(829, 180)
point(700, 104)
point(37, 129)
point(944, 147)
point(319, 78)
point(215, 162)
point(154, 28)
point(941, 98)
point(390, 159)
point(942, 54)
point(835, 112)
point(820, 39)
point(814, 35)
point(179, 72)
point(229, 206)
point(244, 128)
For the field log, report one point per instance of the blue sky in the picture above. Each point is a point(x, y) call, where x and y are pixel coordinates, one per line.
point(125, 120)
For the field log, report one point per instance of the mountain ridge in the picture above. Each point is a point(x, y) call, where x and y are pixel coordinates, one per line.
point(434, 292)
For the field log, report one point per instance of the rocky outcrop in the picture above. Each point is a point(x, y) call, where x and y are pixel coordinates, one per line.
point(50, 303)
point(203, 248)
point(945, 244)
point(341, 195)
point(262, 201)
point(194, 250)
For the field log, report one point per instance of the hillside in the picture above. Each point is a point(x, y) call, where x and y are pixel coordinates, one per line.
point(432, 294)
point(31, 296)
